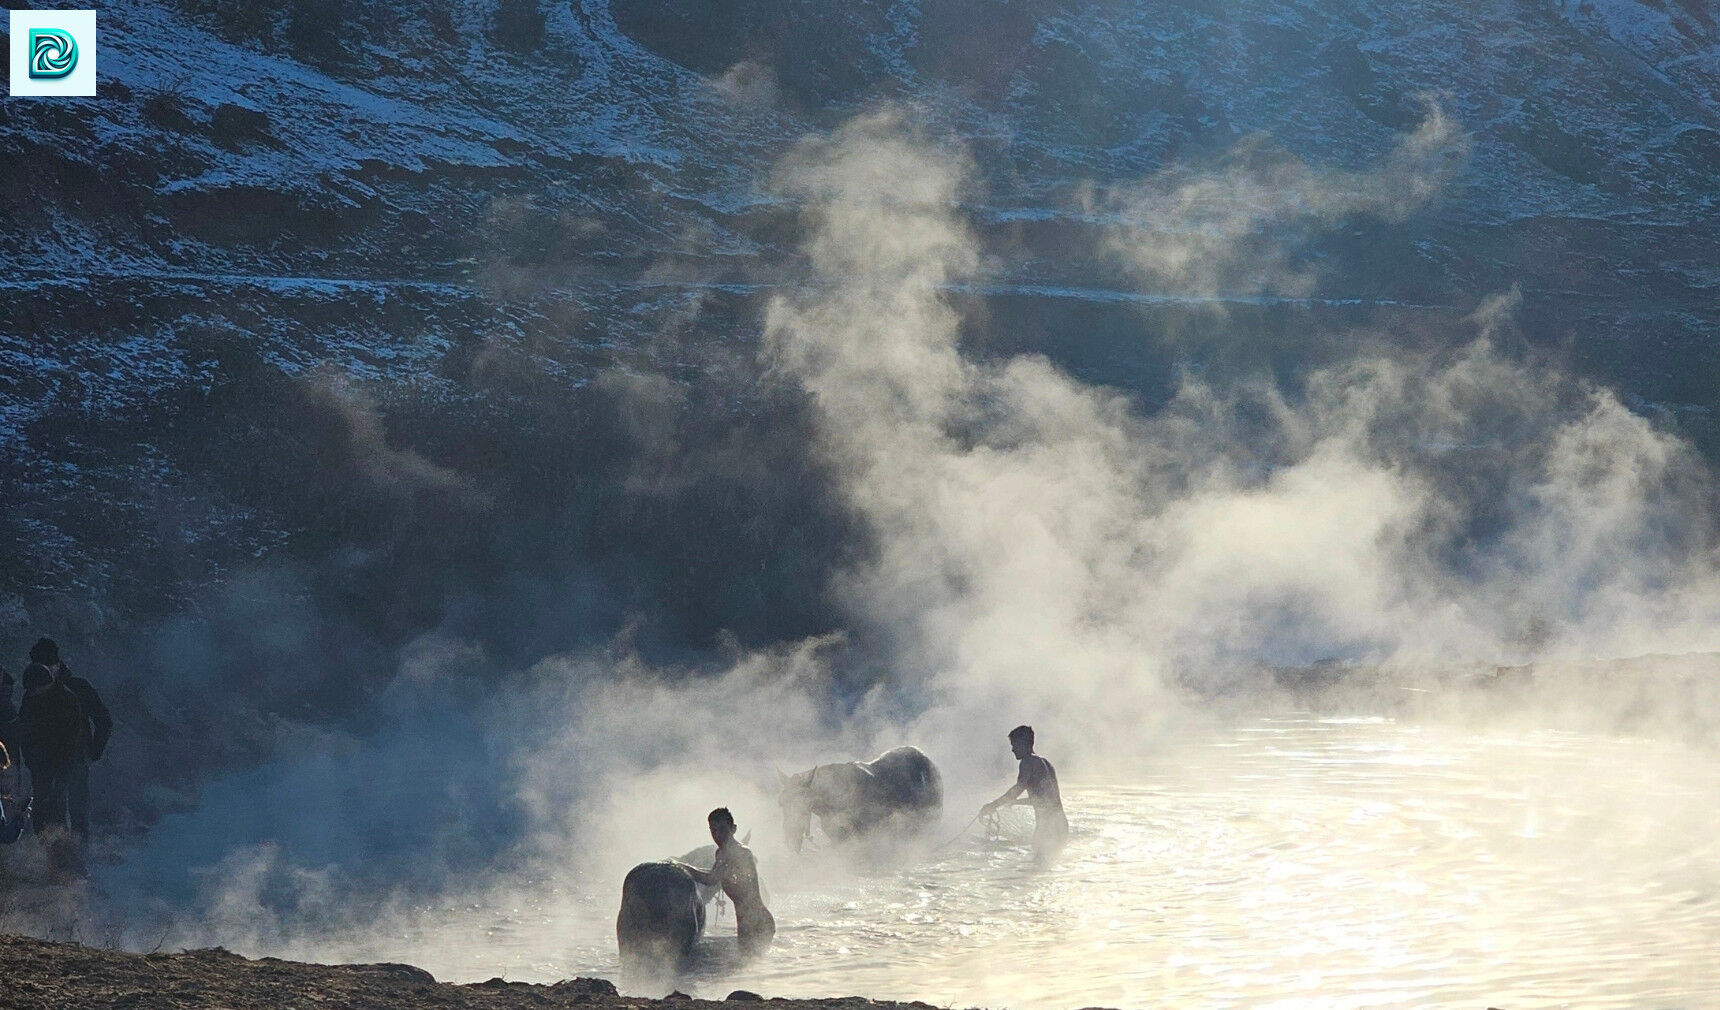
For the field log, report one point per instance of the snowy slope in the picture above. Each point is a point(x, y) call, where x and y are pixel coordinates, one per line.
point(474, 236)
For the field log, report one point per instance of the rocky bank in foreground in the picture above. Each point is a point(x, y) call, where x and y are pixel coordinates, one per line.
point(35, 974)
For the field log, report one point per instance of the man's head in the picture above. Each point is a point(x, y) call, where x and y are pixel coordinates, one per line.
point(722, 825)
point(46, 651)
point(37, 678)
point(1021, 741)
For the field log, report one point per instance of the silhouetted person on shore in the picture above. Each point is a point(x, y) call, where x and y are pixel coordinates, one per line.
point(1039, 781)
point(50, 734)
point(63, 728)
point(736, 872)
point(13, 811)
point(9, 776)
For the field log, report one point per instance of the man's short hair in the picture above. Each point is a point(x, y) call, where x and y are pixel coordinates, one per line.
point(1024, 733)
point(721, 814)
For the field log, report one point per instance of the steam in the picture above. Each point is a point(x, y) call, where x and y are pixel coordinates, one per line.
point(748, 84)
point(1046, 550)
point(1236, 230)
point(1036, 549)
point(355, 429)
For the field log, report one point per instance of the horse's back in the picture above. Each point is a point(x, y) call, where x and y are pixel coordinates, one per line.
point(909, 777)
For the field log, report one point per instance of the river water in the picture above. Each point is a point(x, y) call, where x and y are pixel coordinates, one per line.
point(1293, 862)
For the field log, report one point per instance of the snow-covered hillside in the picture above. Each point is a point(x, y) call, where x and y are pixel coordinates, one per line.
point(357, 327)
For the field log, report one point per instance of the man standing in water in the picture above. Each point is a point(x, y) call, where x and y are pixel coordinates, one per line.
point(736, 872)
point(1039, 781)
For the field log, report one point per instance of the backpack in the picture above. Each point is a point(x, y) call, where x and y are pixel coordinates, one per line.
point(54, 727)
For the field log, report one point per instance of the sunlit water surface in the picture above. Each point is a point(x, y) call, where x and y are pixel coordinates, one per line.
point(1290, 863)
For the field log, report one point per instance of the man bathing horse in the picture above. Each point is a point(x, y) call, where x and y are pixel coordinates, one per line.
point(899, 791)
point(735, 870)
point(663, 903)
point(1038, 780)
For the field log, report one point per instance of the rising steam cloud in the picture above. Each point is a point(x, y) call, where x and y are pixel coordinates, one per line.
point(1043, 549)
point(1235, 230)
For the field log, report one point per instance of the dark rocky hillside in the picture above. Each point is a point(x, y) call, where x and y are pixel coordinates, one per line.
point(325, 326)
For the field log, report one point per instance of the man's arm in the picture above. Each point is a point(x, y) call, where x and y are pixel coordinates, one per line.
point(1023, 781)
point(712, 877)
point(1008, 794)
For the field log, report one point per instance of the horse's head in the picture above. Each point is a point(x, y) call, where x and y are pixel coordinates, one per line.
point(794, 795)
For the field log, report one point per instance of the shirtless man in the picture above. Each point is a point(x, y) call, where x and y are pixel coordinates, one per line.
point(1039, 781)
point(736, 872)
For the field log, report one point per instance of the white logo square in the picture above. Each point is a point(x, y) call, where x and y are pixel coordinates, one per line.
point(54, 53)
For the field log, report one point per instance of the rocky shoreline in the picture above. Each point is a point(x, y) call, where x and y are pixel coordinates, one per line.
point(35, 974)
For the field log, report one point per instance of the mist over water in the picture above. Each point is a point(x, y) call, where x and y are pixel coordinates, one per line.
point(1278, 861)
point(1037, 548)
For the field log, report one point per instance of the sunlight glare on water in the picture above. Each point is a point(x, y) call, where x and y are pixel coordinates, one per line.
point(1288, 863)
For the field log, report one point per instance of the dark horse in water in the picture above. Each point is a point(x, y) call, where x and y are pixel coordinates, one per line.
point(662, 914)
point(897, 791)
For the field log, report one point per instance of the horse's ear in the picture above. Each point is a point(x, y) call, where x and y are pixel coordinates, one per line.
point(781, 779)
point(746, 839)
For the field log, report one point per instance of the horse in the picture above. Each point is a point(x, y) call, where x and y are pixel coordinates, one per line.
point(662, 914)
point(899, 791)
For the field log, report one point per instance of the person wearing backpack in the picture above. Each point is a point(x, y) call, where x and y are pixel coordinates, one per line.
point(13, 815)
point(50, 728)
point(10, 773)
point(56, 738)
point(95, 725)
